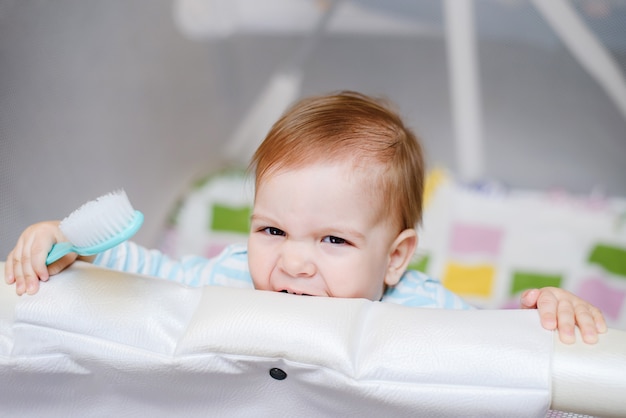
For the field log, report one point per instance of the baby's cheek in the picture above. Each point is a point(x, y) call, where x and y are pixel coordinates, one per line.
point(358, 285)
point(260, 282)
point(259, 273)
point(366, 281)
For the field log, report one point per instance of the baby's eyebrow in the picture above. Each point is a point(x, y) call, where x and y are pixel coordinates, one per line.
point(345, 231)
point(255, 218)
point(260, 218)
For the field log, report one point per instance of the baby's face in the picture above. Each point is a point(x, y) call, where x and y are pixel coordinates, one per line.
point(315, 231)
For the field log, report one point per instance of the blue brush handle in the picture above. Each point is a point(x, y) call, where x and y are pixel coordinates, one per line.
point(59, 250)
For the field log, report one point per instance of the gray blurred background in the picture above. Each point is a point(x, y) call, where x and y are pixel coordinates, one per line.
point(143, 94)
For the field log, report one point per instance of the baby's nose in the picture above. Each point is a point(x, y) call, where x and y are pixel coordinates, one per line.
point(297, 260)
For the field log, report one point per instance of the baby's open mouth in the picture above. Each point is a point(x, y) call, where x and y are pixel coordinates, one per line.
point(294, 293)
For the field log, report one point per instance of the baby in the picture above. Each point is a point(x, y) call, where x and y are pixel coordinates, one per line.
point(339, 185)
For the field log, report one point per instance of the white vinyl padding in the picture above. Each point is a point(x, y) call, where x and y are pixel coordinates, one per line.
point(96, 342)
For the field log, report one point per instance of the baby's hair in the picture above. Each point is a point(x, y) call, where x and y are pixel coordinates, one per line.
point(353, 126)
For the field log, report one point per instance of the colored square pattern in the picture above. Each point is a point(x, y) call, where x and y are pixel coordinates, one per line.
point(523, 280)
point(475, 239)
point(466, 280)
point(611, 258)
point(230, 219)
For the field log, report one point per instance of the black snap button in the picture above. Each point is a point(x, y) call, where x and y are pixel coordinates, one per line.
point(278, 374)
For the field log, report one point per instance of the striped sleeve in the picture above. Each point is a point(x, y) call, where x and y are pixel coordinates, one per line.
point(230, 268)
point(417, 289)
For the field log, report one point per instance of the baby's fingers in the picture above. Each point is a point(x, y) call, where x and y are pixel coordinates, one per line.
point(586, 324)
point(566, 322)
point(18, 275)
point(9, 275)
point(26, 278)
point(31, 278)
point(548, 306)
point(27, 264)
point(13, 268)
point(33, 263)
point(598, 319)
point(590, 322)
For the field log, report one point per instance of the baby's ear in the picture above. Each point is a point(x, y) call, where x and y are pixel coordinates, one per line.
point(400, 255)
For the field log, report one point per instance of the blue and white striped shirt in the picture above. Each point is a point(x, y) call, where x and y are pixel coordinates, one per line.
point(230, 268)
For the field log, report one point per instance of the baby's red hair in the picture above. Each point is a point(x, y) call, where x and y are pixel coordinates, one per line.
point(350, 126)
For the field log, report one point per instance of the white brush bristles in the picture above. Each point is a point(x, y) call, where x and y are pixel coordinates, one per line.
point(98, 220)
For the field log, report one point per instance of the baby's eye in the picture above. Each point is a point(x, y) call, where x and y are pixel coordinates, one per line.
point(273, 231)
point(334, 240)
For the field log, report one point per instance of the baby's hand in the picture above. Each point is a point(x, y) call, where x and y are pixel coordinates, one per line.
point(26, 263)
point(561, 309)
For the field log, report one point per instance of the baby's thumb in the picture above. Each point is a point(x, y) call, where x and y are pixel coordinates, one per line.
point(529, 298)
point(61, 264)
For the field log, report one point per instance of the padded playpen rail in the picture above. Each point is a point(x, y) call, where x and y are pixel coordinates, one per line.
point(102, 343)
